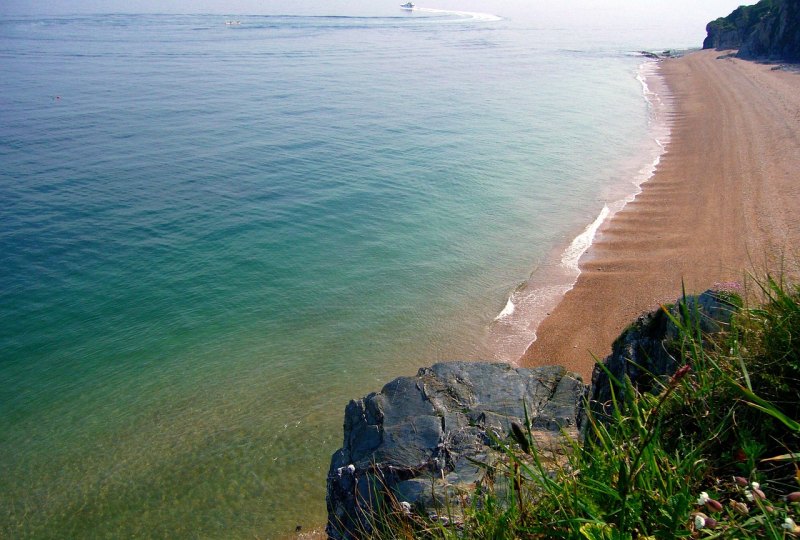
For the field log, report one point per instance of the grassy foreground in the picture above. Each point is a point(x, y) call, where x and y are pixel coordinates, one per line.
point(714, 454)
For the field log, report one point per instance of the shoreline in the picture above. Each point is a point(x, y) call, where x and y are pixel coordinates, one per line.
point(720, 202)
point(514, 329)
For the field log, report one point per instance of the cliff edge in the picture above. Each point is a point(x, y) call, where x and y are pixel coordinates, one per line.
point(768, 30)
point(423, 442)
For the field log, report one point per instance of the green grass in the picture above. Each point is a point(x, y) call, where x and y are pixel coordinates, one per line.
point(724, 427)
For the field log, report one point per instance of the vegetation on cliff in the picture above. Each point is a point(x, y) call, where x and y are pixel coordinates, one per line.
point(768, 30)
point(710, 451)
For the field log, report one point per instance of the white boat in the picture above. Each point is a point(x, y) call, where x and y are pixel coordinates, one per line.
point(232, 23)
point(408, 5)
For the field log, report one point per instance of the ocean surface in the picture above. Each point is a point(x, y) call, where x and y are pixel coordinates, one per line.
point(212, 236)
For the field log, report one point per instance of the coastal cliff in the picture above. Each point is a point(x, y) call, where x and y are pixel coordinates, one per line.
point(768, 30)
point(423, 442)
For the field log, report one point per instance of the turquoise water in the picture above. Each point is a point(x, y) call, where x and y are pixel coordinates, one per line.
point(213, 236)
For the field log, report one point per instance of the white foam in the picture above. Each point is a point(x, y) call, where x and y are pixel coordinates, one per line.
point(571, 255)
point(660, 135)
point(465, 15)
point(514, 329)
point(508, 310)
point(659, 130)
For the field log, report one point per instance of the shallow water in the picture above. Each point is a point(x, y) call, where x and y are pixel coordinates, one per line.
point(215, 235)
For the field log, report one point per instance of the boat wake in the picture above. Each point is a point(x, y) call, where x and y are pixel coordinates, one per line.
point(461, 15)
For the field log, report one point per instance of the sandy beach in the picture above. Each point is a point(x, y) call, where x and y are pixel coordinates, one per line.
point(723, 201)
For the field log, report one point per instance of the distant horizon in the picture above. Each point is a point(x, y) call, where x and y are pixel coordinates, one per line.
point(675, 24)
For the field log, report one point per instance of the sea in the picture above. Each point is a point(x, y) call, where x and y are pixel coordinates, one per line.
point(217, 229)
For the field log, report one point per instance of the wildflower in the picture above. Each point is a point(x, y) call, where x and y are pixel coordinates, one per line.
point(740, 481)
point(406, 508)
point(740, 507)
point(793, 497)
point(699, 521)
point(710, 504)
point(681, 373)
point(702, 521)
point(755, 492)
point(790, 526)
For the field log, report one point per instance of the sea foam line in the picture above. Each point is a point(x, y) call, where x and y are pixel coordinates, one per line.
point(582, 242)
point(526, 308)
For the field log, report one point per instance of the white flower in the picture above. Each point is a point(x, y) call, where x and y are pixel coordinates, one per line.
point(789, 524)
point(749, 495)
point(755, 485)
point(703, 498)
point(350, 469)
point(406, 508)
point(699, 521)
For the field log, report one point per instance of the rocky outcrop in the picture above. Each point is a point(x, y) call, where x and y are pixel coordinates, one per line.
point(776, 37)
point(646, 351)
point(768, 30)
point(423, 439)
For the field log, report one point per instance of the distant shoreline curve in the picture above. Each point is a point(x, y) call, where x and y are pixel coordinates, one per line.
point(721, 202)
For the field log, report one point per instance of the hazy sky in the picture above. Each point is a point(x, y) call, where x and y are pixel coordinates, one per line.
point(635, 8)
point(677, 18)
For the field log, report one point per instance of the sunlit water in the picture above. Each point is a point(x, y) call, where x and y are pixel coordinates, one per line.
point(213, 236)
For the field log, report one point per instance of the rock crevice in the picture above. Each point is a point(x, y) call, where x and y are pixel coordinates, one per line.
point(422, 438)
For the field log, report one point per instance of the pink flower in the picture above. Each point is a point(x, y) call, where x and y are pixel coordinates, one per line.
point(681, 373)
point(710, 504)
point(740, 507)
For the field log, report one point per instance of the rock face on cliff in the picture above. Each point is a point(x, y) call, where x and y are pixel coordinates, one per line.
point(646, 351)
point(769, 30)
point(420, 438)
point(432, 437)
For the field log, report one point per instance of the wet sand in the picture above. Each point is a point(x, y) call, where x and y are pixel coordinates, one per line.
point(724, 201)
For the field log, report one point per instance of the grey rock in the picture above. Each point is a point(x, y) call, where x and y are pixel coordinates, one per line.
point(768, 30)
point(647, 351)
point(427, 439)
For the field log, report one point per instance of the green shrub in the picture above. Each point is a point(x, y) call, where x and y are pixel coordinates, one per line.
point(712, 452)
